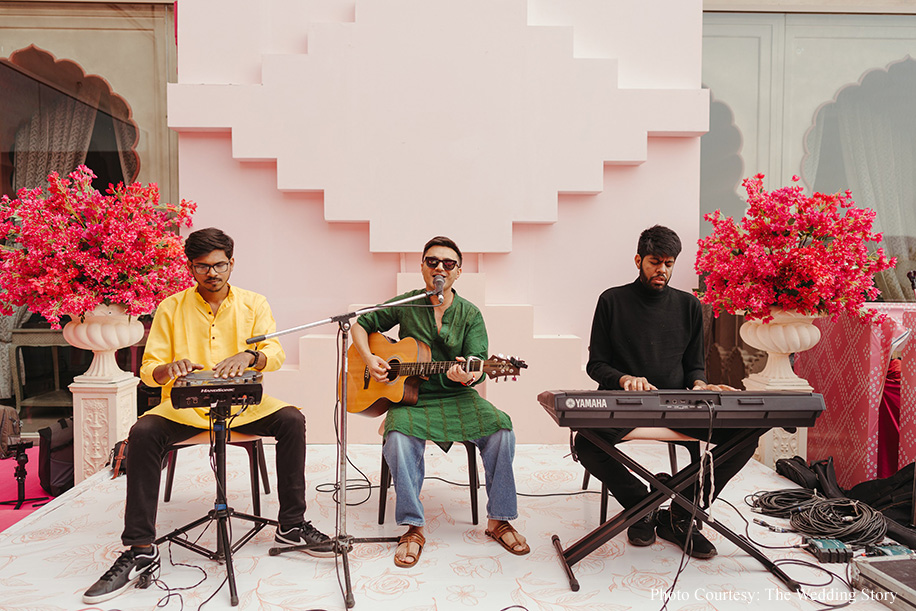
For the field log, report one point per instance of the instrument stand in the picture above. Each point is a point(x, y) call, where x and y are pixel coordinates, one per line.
point(221, 512)
point(21, 459)
point(342, 543)
point(662, 490)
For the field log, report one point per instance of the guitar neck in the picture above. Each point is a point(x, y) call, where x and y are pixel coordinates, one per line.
point(428, 369)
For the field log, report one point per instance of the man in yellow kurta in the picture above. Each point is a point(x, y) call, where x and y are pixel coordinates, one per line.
point(205, 328)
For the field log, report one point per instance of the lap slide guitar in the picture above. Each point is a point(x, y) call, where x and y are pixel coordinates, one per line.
point(410, 365)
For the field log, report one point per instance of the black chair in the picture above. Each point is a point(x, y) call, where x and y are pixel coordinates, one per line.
point(474, 483)
point(257, 464)
point(672, 438)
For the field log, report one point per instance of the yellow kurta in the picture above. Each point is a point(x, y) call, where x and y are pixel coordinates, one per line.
point(185, 328)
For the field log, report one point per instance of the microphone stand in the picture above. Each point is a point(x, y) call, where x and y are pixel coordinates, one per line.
point(21, 459)
point(342, 543)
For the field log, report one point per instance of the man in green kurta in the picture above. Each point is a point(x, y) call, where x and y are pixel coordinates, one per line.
point(448, 408)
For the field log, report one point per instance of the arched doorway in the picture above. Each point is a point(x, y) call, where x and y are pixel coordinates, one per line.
point(56, 117)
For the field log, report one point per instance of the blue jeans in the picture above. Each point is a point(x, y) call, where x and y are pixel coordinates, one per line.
point(404, 455)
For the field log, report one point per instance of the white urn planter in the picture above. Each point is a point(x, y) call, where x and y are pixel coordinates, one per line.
point(104, 330)
point(105, 397)
point(787, 333)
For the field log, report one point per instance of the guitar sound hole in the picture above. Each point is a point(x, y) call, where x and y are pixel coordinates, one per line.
point(393, 372)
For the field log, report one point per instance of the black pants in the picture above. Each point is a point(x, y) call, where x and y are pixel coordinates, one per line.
point(151, 435)
point(629, 489)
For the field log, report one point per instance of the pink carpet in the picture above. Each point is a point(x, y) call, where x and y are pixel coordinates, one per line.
point(9, 488)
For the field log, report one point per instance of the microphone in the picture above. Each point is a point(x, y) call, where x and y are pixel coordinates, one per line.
point(439, 284)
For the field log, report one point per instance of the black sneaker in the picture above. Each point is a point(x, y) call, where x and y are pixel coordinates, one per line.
point(305, 534)
point(642, 533)
point(675, 529)
point(126, 569)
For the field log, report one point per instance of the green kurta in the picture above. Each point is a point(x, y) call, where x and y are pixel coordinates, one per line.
point(446, 411)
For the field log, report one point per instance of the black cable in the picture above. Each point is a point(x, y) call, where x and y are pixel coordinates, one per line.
point(833, 576)
point(848, 520)
point(215, 592)
point(795, 561)
point(747, 533)
point(781, 503)
point(685, 559)
point(549, 494)
point(174, 592)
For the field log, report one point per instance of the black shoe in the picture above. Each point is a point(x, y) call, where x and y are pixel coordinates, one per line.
point(675, 529)
point(642, 533)
point(305, 534)
point(126, 569)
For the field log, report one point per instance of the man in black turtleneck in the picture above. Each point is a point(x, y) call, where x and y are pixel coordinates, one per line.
point(647, 335)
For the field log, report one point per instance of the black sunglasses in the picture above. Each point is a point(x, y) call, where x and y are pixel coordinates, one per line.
point(433, 262)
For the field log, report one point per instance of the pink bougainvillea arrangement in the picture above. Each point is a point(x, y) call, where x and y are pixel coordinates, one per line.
point(69, 249)
point(804, 253)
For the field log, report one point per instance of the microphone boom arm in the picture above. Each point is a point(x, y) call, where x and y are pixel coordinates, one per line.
point(340, 317)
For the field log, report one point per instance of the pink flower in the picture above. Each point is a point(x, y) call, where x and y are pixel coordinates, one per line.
point(809, 254)
point(71, 249)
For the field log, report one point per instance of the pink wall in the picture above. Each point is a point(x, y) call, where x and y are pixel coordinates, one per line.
point(298, 97)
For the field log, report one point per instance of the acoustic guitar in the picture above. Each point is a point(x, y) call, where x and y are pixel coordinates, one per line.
point(410, 364)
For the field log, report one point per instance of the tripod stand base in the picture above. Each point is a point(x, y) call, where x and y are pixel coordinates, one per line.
point(341, 544)
point(178, 537)
point(21, 501)
point(224, 546)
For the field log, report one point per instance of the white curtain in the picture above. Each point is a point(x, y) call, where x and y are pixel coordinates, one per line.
point(126, 137)
point(876, 126)
point(55, 139)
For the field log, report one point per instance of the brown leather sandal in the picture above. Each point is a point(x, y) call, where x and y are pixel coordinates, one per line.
point(501, 531)
point(411, 536)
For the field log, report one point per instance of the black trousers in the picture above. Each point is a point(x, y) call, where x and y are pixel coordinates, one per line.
point(151, 435)
point(629, 489)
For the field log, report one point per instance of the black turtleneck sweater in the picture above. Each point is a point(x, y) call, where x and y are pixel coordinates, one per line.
point(640, 332)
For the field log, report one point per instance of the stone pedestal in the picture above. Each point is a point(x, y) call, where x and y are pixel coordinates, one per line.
point(778, 443)
point(787, 333)
point(103, 413)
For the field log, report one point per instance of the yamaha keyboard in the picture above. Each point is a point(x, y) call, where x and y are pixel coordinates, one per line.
point(202, 389)
point(603, 409)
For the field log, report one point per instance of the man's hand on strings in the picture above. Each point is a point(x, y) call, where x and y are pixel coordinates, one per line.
point(457, 373)
point(378, 368)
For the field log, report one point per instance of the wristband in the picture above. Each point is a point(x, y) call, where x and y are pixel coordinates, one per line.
point(256, 355)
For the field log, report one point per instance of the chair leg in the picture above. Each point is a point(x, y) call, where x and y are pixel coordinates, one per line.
point(170, 475)
point(383, 484)
point(473, 480)
point(585, 479)
point(604, 495)
point(253, 473)
point(672, 457)
point(263, 462)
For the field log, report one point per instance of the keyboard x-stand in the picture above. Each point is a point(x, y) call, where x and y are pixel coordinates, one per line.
point(560, 403)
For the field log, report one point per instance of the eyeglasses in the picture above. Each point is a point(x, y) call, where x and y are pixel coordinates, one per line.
point(202, 268)
point(447, 264)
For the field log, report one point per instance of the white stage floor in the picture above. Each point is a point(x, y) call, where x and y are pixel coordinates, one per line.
point(48, 559)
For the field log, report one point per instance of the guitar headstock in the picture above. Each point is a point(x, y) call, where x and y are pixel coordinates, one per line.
point(501, 366)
